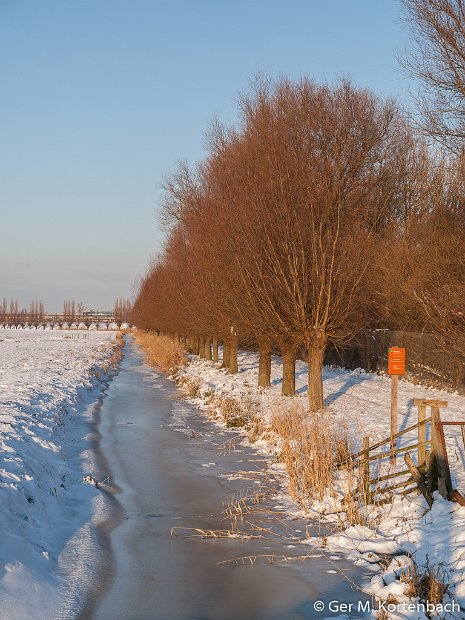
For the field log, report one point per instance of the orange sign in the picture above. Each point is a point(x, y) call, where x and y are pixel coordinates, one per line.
point(396, 361)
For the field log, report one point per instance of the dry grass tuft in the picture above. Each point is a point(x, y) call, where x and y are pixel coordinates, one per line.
point(257, 428)
point(412, 581)
point(117, 354)
point(354, 512)
point(231, 412)
point(310, 447)
point(433, 585)
point(429, 586)
point(161, 351)
point(382, 615)
point(190, 386)
point(235, 413)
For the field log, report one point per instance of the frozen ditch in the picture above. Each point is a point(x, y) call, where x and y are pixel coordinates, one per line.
point(174, 469)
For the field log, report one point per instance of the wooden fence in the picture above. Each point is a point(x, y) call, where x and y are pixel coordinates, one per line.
point(427, 473)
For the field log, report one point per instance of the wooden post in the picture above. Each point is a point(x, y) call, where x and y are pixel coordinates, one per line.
point(439, 447)
point(394, 402)
point(433, 468)
point(457, 497)
point(435, 462)
point(233, 344)
point(365, 470)
point(396, 367)
point(427, 460)
point(419, 480)
point(422, 435)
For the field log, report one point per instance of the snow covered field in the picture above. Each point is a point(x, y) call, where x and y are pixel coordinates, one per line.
point(361, 401)
point(49, 382)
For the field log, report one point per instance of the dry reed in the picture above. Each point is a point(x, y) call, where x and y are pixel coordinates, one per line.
point(429, 585)
point(191, 386)
point(236, 413)
point(310, 447)
point(162, 352)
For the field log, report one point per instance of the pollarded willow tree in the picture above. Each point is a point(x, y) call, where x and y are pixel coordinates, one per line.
point(315, 188)
point(271, 237)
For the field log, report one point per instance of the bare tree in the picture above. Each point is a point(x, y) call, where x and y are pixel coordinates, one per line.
point(122, 310)
point(437, 60)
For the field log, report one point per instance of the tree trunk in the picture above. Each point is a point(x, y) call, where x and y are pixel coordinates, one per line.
point(264, 364)
point(215, 349)
point(195, 345)
point(233, 368)
point(226, 356)
point(208, 348)
point(184, 343)
point(288, 387)
point(315, 379)
point(202, 347)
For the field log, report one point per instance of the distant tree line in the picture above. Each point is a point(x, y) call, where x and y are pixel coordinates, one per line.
point(11, 313)
point(122, 310)
point(323, 211)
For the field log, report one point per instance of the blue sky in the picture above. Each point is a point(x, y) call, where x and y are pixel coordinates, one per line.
point(100, 98)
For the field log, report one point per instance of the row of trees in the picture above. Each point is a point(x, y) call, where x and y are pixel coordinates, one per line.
point(69, 310)
point(323, 211)
point(11, 313)
point(122, 310)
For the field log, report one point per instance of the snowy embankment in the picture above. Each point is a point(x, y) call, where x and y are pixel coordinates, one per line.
point(406, 529)
point(48, 380)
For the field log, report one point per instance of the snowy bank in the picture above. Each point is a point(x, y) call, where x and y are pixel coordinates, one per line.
point(360, 402)
point(49, 381)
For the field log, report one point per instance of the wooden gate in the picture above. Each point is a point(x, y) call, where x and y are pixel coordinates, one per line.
point(428, 474)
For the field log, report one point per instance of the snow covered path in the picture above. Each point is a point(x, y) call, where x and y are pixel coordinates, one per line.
point(49, 383)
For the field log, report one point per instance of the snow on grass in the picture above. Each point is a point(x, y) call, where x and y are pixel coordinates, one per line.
point(360, 401)
point(47, 379)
